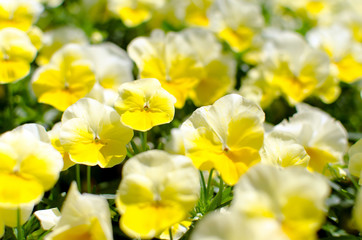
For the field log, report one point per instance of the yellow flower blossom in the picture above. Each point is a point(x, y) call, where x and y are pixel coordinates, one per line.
point(134, 12)
point(158, 185)
point(83, 216)
point(196, 12)
point(293, 66)
point(92, 134)
point(55, 39)
point(9, 215)
point(20, 14)
point(170, 59)
point(143, 104)
point(292, 197)
point(226, 136)
point(71, 76)
point(236, 22)
point(29, 166)
point(228, 225)
point(17, 52)
point(355, 160)
point(324, 138)
point(281, 149)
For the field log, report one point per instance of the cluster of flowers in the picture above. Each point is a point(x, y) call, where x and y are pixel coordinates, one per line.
point(279, 174)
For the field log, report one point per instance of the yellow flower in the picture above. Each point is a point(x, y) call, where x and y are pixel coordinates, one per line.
point(144, 104)
point(134, 12)
point(196, 12)
point(55, 39)
point(291, 65)
point(66, 79)
point(17, 52)
point(54, 138)
point(9, 215)
point(29, 166)
point(20, 14)
point(226, 136)
point(170, 59)
point(281, 149)
point(83, 216)
point(92, 134)
point(228, 225)
point(236, 22)
point(157, 190)
point(355, 160)
point(324, 138)
point(293, 197)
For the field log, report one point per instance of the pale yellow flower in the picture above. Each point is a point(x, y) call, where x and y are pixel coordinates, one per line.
point(170, 59)
point(20, 14)
point(29, 166)
point(323, 137)
point(83, 216)
point(196, 12)
point(144, 104)
point(292, 197)
point(134, 12)
point(229, 225)
point(157, 191)
point(9, 215)
point(56, 38)
point(226, 136)
point(92, 134)
point(48, 218)
point(236, 22)
point(67, 78)
point(292, 66)
point(17, 52)
point(281, 149)
point(355, 160)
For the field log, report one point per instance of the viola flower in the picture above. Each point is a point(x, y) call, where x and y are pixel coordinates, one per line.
point(55, 39)
point(170, 59)
point(196, 12)
point(229, 225)
point(158, 185)
point(226, 136)
point(343, 51)
point(72, 77)
point(236, 22)
point(324, 138)
point(144, 104)
point(281, 149)
point(112, 67)
point(134, 12)
point(292, 66)
point(293, 197)
point(92, 134)
point(29, 167)
point(20, 14)
point(355, 160)
point(83, 216)
point(17, 52)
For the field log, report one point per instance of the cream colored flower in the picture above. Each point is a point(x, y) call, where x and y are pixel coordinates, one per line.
point(157, 191)
point(226, 136)
point(292, 197)
point(16, 54)
point(170, 59)
point(281, 149)
point(92, 134)
point(324, 138)
point(236, 22)
point(48, 218)
point(67, 78)
point(355, 160)
point(83, 216)
point(143, 104)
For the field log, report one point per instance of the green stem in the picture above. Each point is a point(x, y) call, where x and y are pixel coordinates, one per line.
point(77, 177)
point(221, 188)
point(170, 232)
point(203, 187)
point(209, 182)
point(18, 228)
point(89, 187)
point(11, 105)
point(143, 136)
